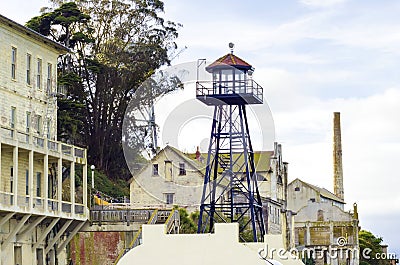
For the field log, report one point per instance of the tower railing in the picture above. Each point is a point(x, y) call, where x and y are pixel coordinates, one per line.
point(210, 88)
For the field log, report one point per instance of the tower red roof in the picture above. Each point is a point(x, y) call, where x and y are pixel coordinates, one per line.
point(229, 60)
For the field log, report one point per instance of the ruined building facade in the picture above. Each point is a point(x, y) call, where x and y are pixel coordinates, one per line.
point(321, 229)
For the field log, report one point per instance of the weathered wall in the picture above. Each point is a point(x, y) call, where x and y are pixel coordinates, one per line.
point(96, 248)
point(17, 92)
point(148, 190)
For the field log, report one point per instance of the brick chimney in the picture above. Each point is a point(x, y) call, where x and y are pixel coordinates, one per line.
point(198, 154)
point(337, 157)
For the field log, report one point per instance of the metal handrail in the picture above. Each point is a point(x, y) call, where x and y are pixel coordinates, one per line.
point(209, 88)
point(170, 223)
point(138, 236)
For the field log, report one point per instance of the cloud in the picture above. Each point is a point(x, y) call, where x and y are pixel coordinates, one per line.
point(321, 3)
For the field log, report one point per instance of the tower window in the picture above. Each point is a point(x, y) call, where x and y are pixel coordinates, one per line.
point(297, 189)
point(182, 170)
point(155, 169)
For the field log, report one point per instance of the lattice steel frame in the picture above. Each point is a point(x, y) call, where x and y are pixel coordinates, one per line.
point(230, 192)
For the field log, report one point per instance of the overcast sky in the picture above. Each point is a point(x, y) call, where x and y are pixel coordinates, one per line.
point(312, 57)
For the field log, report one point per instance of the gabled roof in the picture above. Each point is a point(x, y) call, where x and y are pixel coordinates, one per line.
point(322, 191)
point(261, 160)
point(229, 60)
point(33, 34)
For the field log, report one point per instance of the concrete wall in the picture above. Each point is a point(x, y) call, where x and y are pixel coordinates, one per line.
point(322, 211)
point(299, 195)
point(222, 247)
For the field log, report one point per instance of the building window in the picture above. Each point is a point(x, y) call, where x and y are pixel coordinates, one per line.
point(39, 73)
point(49, 73)
point(13, 62)
point(169, 198)
point(28, 68)
point(38, 184)
point(182, 170)
point(11, 179)
point(27, 182)
point(48, 125)
point(297, 189)
point(155, 169)
point(28, 121)
point(39, 124)
point(12, 117)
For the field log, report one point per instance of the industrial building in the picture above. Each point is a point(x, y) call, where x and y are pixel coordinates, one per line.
point(320, 223)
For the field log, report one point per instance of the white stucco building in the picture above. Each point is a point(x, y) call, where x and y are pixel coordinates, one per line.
point(222, 248)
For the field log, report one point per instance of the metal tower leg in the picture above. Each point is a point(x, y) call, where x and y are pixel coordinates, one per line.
point(230, 191)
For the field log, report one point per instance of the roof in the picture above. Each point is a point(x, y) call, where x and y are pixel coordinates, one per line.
point(261, 160)
point(33, 34)
point(229, 60)
point(322, 191)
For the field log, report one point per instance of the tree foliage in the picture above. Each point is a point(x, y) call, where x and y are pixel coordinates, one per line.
point(368, 241)
point(115, 46)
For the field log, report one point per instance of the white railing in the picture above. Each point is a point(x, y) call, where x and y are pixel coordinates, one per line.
point(38, 204)
point(41, 142)
point(52, 205)
point(23, 200)
point(6, 198)
point(79, 209)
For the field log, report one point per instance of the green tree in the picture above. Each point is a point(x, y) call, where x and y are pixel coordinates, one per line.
point(113, 50)
point(370, 245)
point(187, 225)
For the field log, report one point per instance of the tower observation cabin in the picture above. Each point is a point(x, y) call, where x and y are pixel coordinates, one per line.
point(232, 83)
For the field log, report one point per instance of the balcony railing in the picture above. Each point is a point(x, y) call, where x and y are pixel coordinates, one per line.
point(41, 142)
point(127, 215)
point(38, 204)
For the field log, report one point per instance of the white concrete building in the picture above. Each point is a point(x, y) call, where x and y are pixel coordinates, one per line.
point(38, 214)
point(222, 248)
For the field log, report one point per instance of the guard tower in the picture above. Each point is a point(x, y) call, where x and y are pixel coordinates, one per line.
point(230, 192)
